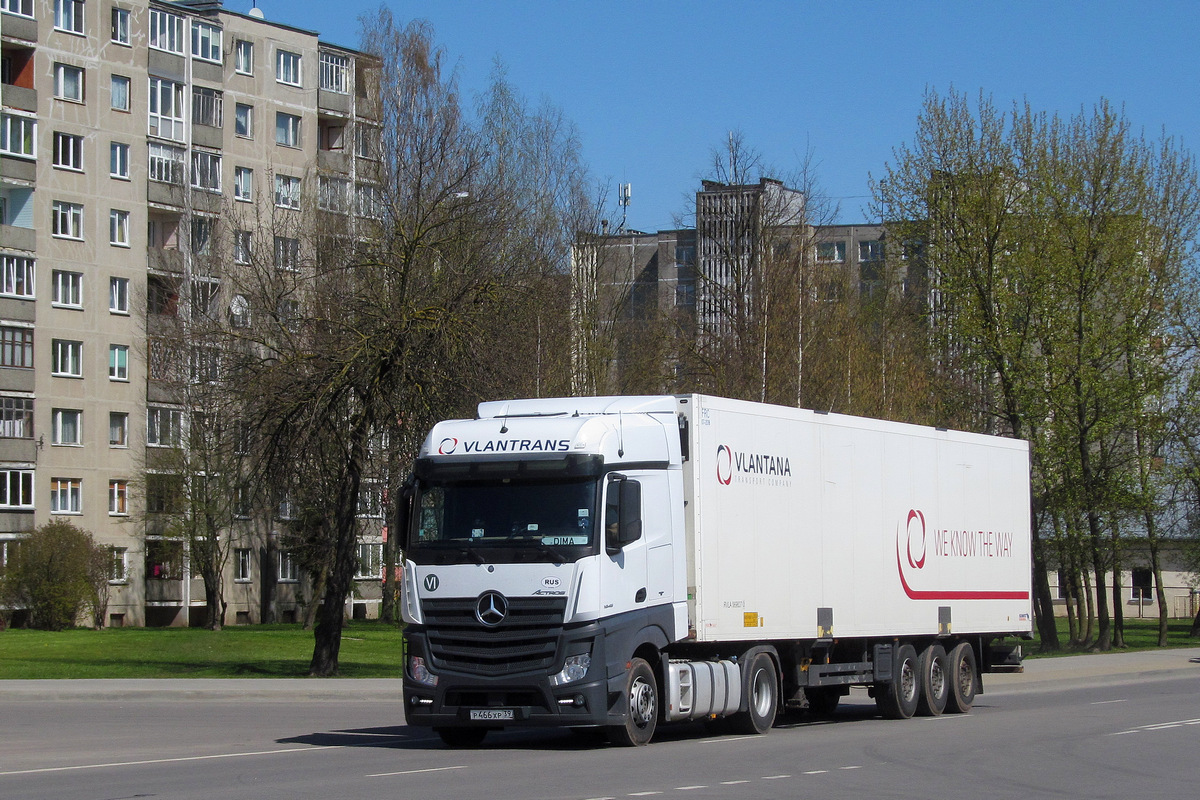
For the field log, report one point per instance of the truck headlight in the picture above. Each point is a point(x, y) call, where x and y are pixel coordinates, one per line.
point(420, 673)
point(574, 669)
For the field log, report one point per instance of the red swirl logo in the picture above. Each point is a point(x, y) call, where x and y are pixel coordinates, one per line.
point(447, 446)
point(724, 465)
point(916, 539)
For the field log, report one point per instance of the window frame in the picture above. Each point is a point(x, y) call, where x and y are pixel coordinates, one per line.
point(64, 423)
point(118, 161)
point(118, 227)
point(60, 84)
point(243, 565)
point(24, 486)
point(206, 39)
point(166, 123)
point(66, 496)
point(121, 420)
point(118, 295)
point(112, 90)
point(243, 57)
point(18, 276)
point(16, 417)
point(118, 363)
point(68, 16)
point(287, 192)
point(67, 151)
point(287, 63)
point(245, 131)
point(66, 289)
point(243, 184)
point(168, 26)
point(66, 220)
point(206, 171)
point(16, 347)
point(334, 72)
point(287, 130)
point(173, 431)
point(119, 27)
point(66, 358)
point(21, 130)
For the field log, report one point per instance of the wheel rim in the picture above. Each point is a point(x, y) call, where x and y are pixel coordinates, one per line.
point(966, 678)
point(641, 702)
point(762, 693)
point(908, 682)
point(937, 679)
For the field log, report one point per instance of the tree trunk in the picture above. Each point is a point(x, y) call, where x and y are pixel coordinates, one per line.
point(318, 591)
point(1043, 600)
point(1104, 626)
point(1118, 606)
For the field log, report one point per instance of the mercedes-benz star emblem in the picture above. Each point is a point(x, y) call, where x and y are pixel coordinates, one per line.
point(491, 608)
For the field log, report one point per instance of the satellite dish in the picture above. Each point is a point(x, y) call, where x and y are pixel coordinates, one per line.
point(256, 12)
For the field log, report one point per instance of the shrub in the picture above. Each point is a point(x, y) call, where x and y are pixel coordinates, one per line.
point(57, 574)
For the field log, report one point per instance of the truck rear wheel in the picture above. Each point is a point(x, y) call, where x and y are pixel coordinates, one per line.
point(641, 713)
point(935, 681)
point(898, 699)
point(462, 737)
point(761, 690)
point(964, 679)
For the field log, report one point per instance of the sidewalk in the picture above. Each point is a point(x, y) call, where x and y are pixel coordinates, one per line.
point(1042, 674)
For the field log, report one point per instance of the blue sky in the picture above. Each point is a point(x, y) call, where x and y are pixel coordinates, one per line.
point(653, 86)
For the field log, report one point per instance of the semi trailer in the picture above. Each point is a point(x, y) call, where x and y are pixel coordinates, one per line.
point(619, 563)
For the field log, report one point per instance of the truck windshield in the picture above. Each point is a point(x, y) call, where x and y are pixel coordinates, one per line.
point(505, 520)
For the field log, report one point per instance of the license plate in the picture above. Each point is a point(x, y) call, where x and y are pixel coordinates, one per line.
point(491, 713)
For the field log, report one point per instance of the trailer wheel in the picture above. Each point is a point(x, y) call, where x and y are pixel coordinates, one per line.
point(964, 678)
point(898, 699)
point(935, 681)
point(462, 737)
point(641, 713)
point(823, 701)
point(761, 689)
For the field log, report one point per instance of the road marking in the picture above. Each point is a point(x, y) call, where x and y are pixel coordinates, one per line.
point(723, 739)
point(1107, 702)
point(1158, 726)
point(851, 767)
point(415, 771)
point(775, 777)
point(816, 772)
point(688, 788)
point(732, 783)
point(643, 794)
point(173, 760)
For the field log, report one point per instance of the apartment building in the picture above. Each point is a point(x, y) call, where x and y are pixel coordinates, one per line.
point(128, 130)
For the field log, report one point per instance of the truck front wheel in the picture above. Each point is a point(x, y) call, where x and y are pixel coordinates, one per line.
point(641, 713)
point(762, 696)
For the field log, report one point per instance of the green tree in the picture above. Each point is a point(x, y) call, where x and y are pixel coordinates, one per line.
point(59, 574)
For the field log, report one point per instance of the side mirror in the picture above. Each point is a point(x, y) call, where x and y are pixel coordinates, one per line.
point(404, 513)
point(622, 513)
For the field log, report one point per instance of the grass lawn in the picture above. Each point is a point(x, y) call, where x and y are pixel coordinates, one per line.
point(1140, 634)
point(369, 650)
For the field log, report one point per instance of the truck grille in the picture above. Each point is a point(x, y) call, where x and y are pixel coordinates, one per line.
point(526, 640)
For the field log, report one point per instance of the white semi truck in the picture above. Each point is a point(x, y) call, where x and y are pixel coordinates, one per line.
point(623, 562)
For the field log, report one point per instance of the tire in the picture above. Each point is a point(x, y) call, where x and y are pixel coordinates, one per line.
point(898, 699)
point(964, 678)
point(823, 702)
point(760, 687)
point(641, 710)
point(462, 737)
point(935, 681)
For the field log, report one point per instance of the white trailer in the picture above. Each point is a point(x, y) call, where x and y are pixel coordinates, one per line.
point(622, 562)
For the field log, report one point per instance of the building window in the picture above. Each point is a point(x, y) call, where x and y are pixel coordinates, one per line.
point(335, 73)
point(118, 429)
point(243, 564)
point(65, 497)
point(287, 191)
point(368, 201)
point(287, 253)
point(288, 572)
point(118, 227)
point(202, 232)
point(204, 297)
point(67, 220)
point(16, 347)
point(16, 489)
point(333, 194)
point(206, 171)
point(241, 246)
point(831, 251)
point(166, 109)
point(118, 160)
point(164, 493)
point(243, 120)
point(68, 16)
point(287, 129)
point(243, 184)
point(120, 93)
point(206, 42)
point(16, 277)
point(118, 295)
point(239, 314)
point(68, 82)
point(1142, 584)
point(870, 251)
point(118, 498)
point(66, 427)
point(16, 417)
point(118, 568)
point(206, 106)
point(67, 358)
point(120, 26)
point(118, 362)
point(366, 141)
point(243, 57)
point(287, 67)
point(164, 427)
point(370, 562)
point(166, 163)
point(164, 558)
point(370, 500)
point(166, 31)
point(68, 289)
point(162, 295)
point(18, 136)
point(331, 137)
point(22, 8)
point(68, 151)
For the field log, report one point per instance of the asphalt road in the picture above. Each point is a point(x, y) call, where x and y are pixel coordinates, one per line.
point(1112, 726)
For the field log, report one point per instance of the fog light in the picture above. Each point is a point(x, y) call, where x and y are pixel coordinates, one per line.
point(420, 673)
point(574, 669)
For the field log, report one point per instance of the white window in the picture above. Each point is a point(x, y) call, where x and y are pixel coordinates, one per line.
point(16, 277)
point(18, 135)
point(68, 151)
point(288, 573)
point(120, 93)
point(287, 67)
point(243, 57)
point(243, 564)
point(287, 253)
point(206, 42)
point(366, 140)
point(68, 358)
point(287, 129)
point(68, 82)
point(335, 73)
point(67, 220)
point(118, 160)
point(118, 429)
point(204, 296)
point(22, 8)
point(287, 191)
point(243, 120)
point(204, 364)
point(243, 184)
point(16, 417)
point(166, 31)
point(120, 26)
point(118, 498)
point(16, 488)
point(166, 163)
point(118, 295)
point(370, 562)
point(370, 500)
point(831, 251)
point(164, 427)
point(118, 362)
point(68, 15)
point(333, 194)
point(206, 171)
point(66, 427)
point(241, 246)
point(870, 251)
point(166, 109)
point(118, 569)
point(202, 231)
point(206, 106)
point(118, 227)
point(68, 288)
point(368, 201)
point(65, 497)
